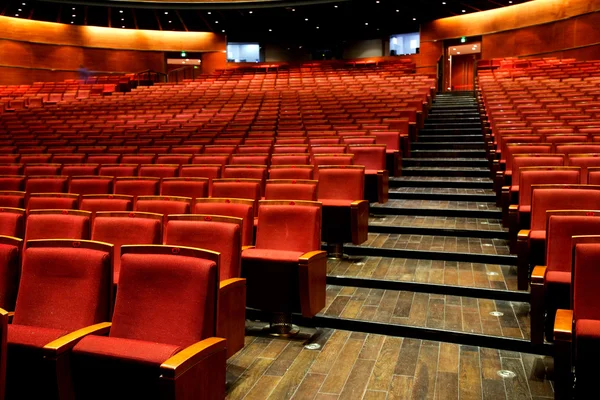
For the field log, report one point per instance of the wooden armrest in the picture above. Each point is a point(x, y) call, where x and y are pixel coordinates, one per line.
point(357, 203)
point(499, 174)
point(506, 189)
point(312, 256)
point(523, 234)
point(229, 284)
point(538, 274)
point(312, 275)
point(247, 247)
point(190, 356)
point(513, 207)
point(563, 325)
point(67, 342)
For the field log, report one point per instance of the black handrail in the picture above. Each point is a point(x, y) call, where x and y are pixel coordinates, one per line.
point(151, 75)
point(183, 69)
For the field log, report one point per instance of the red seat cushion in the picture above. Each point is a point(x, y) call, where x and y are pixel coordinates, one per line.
point(525, 209)
point(558, 277)
point(537, 235)
point(126, 349)
point(32, 336)
point(272, 255)
point(336, 202)
point(587, 329)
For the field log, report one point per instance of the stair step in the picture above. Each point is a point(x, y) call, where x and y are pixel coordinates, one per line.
point(444, 162)
point(448, 154)
point(444, 208)
point(448, 145)
point(442, 131)
point(444, 124)
point(428, 138)
point(441, 182)
point(442, 195)
point(490, 228)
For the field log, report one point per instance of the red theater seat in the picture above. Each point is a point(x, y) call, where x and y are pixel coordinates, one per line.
point(106, 202)
point(137, 186)
point(291, 189)
point(159, 170)
point(372, 157)
point(531, 242)
point(286, 270)
point(79, 169)
point(55, 201)
point(162, 339)
point(551, 284)
point(121, 228)
point(10, 269)
point(57, 224)
point(91, 184)
point(577, 331)
point(65, 293)
point(12, 221)
point(239, 208)
point(185, 187)
point(12, 182)
point(164, 204)
point(238, 188)
point(12, 198)
point(223, 235)
point(345, 213)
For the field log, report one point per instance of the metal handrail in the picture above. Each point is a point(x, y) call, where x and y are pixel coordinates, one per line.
point(183, 69)
point(149, 73)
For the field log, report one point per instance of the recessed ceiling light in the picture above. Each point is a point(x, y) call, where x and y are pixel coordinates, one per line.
point(306, 19)
point(474, 45)
point(209, 13)
point(270, 30)
point(366, 23)
point(16, 15)
point(169, 21)
point(397, 10)
point(121, 11)
point(510, 2)
point(414, 19)
point(333, 7)
point(223, 30)
point(73, 8)
point(71, 21)
point(166, 13)
point(123, 26)
point(249, 12)
point(19, 10)
point(293, 9)
point(458, 52)
point(454, 48)
point(464, 10)
point(317, 27)
point(71, 15)
point(443, 3)
point(216, 22)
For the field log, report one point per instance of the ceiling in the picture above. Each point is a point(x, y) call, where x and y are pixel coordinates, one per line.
point(299, 22)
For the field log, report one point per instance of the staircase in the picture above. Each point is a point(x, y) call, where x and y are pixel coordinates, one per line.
point(436, 265)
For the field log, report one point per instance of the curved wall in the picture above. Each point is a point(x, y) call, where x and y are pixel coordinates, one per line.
point(43, 51)
point(539, 28)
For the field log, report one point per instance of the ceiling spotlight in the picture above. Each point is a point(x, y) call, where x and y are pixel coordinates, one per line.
point(19, 10)
point(71, 15)
point(510, 2)
point(209, 13)
point(23, 4)
point(474, 45)
point(333, 7)
point(317, 27)
point(71, 21)
point(397, 10)
point(166, 13)
point(293, 9)
point(223, 31)
point(249, 12)
point(377, 2)
point(443, 3)
point(169, 21)
point(464, 10)
point(122, 19)
point(366, 23)
point(270, 30)
point(121, 11)
point(414, 19)
point(216, 22)
point(123, 26)
point(16, 15)
point(306, 19)
point(458, 52)
point(73, 8)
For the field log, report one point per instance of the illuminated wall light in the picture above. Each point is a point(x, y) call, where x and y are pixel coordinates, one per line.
point(458, 52)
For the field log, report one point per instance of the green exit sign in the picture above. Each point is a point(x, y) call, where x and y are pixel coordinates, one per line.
point(463, 39)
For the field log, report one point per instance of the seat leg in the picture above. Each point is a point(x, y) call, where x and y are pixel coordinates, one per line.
point(281, 325)
point(335, 251)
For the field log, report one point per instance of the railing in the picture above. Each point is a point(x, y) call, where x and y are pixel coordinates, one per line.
point(150, 75)
point(181, 73)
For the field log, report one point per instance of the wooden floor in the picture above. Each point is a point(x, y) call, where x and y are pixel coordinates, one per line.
point(351, 365)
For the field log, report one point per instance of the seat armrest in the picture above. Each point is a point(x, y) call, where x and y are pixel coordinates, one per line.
point(190, 356)
point(513, 207)
point(247, 247)
point(312, 276)
point(537, 310)
point(67, 342)
point(538, 275)
point(229, 284)
point(563, 325)
point(359, 221)
point(523, 234)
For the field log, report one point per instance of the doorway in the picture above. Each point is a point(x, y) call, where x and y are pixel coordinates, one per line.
point(460, 65)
